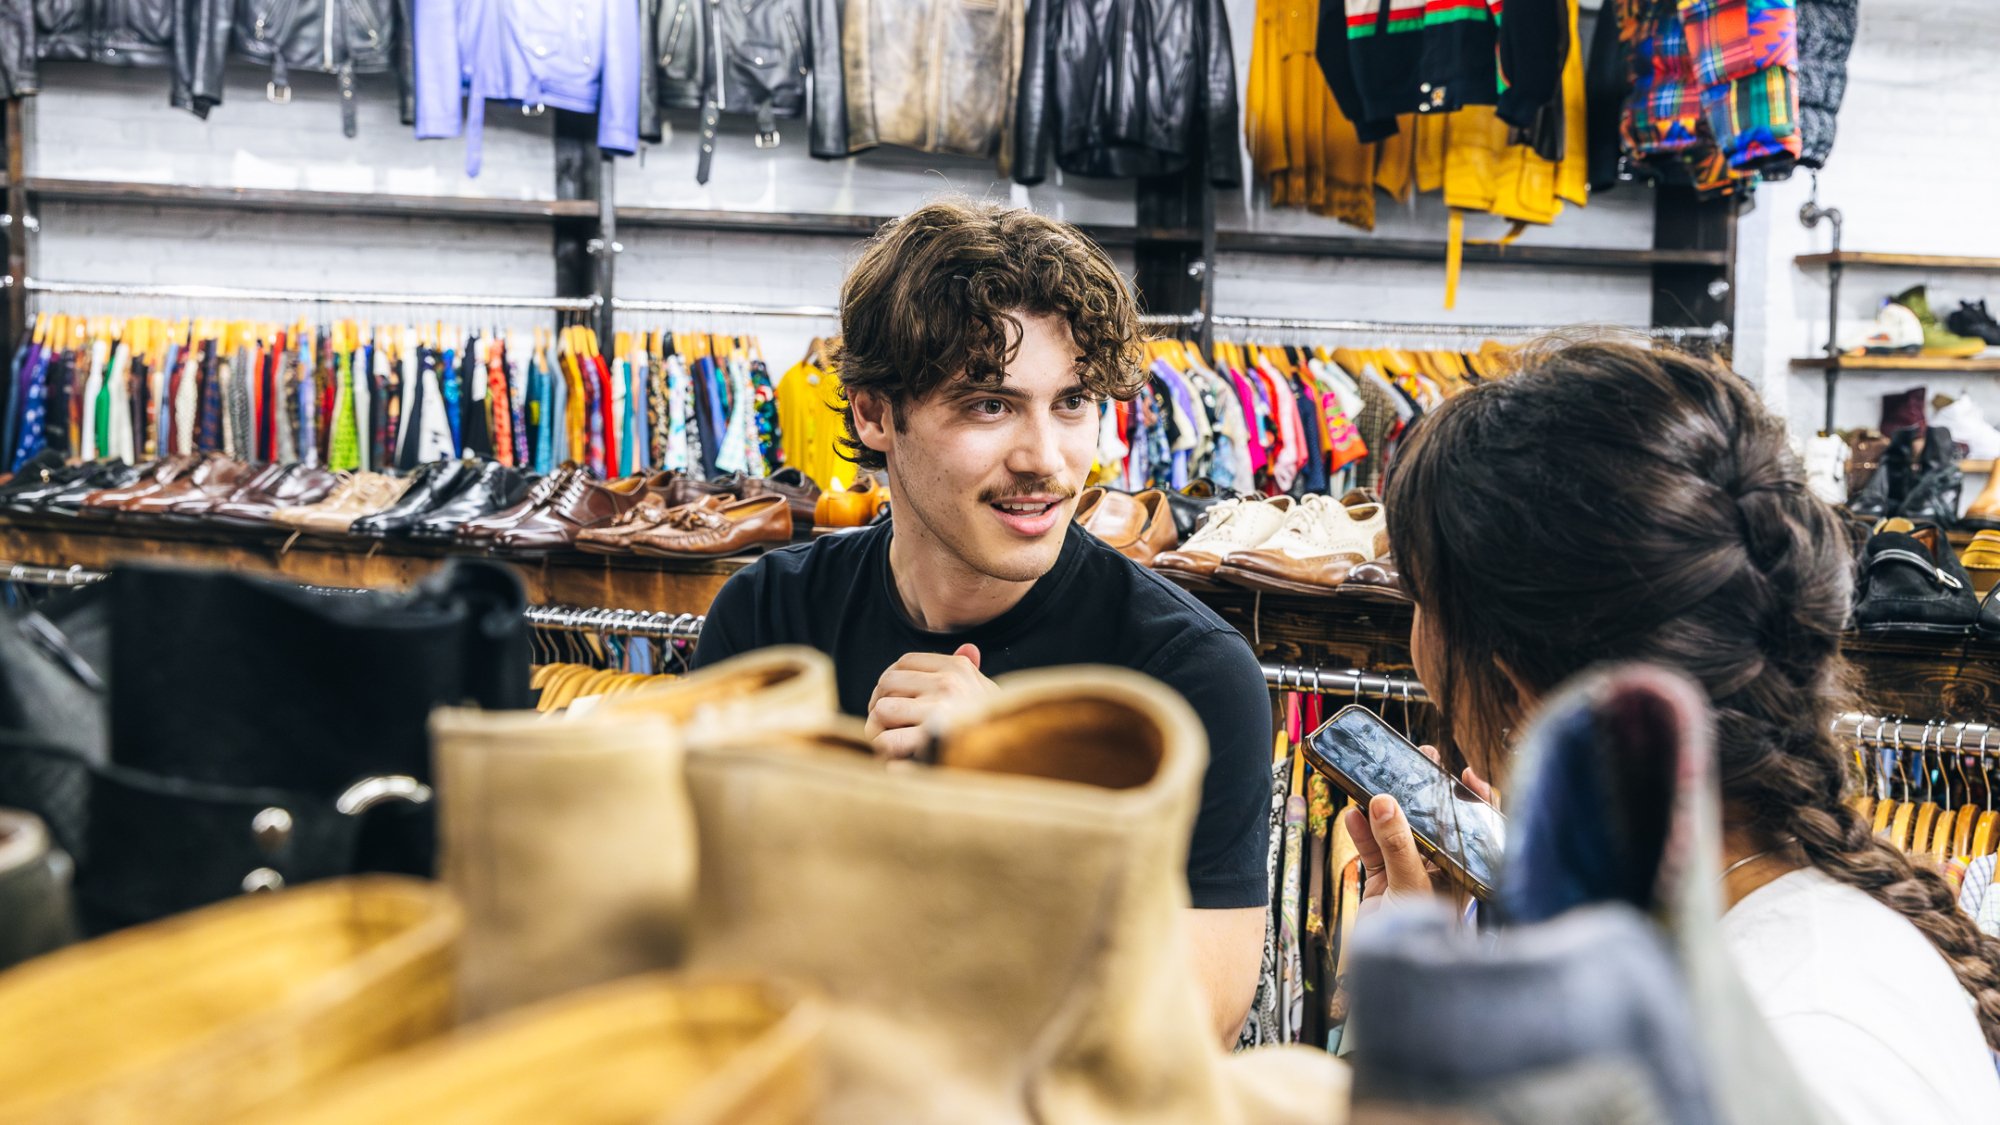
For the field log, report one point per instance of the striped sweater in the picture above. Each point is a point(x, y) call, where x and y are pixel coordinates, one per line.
point(1386, 58)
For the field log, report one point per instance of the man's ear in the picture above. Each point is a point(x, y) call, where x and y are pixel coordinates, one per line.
point(874, 420)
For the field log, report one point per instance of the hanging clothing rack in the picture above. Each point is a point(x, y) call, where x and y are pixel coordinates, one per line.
point(711, 308)
point(1873, 730)
point(306, 296)
point(1718, 332)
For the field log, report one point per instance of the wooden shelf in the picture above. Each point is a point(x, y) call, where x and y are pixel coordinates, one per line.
point(1420, 250)
point(1899, 363)
point(820, 224)
point(1898, 261)
point(284, 201)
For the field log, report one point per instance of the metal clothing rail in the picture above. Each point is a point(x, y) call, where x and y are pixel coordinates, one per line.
point(711, 308)
point(1718, 331)
point(306, 296)
point(1872, 730)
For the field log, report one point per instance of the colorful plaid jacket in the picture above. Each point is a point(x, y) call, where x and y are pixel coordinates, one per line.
point(1714, 86)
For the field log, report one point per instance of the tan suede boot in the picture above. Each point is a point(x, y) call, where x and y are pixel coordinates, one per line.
point(570, 841)
point(1000, 934)
point(783, 687)
point(570, 844)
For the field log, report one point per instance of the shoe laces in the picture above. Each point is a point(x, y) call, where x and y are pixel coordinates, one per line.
point(1217, 520)
point(1312, 522)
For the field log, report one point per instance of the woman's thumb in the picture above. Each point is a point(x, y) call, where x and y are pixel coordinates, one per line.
point(970, 652)
point(1401, 862)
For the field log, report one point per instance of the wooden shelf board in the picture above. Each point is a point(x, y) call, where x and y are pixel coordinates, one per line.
point(286, 201)
point(1421, 250)
point(1899, 363)
point(1898, 261)
point(1907, 675)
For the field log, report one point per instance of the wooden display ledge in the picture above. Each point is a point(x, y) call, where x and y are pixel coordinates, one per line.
point(569, 579)
point(1919, 677)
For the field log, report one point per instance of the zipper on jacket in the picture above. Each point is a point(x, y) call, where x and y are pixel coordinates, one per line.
point(674, 34)
point(326, 33)
point(715, 36)
point(798, 41)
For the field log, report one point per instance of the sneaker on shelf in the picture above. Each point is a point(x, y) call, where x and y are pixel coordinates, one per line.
point(1972, 319)
point(1938, 340)
point(1969, 427)
point(1894, 331)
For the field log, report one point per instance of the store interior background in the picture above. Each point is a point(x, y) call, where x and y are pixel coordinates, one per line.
point(1913, 170)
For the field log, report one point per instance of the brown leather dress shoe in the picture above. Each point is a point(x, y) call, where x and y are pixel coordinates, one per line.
point(798, 490)
point(479, 532)
point(746, 525)
point(581, 504)
point(365, 494)
point(616, 538)
point(198, 505)
point(211, 481)
point(1321, 542)
point(1378, 578)
point(253, 508)
point(1139, 527)
point(110, 502)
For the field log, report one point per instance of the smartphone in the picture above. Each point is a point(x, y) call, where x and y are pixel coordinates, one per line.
point(1455, 829)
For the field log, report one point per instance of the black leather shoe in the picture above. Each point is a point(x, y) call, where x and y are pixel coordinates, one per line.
point(65, 500)
point(1989, 615)
point(1892, 478)
point(37, 472)
point(1936, 482)
point(1912, 582)
point(492, 489)
point(1190, 504)
point(433, 484)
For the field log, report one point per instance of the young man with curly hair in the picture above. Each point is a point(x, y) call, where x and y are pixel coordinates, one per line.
point(977, 344)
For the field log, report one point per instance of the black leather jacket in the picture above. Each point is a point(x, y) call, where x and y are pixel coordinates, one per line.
point(188, 36)
point(18, 71)
point(339, 37)
point(754, 59)
point(1123, 88)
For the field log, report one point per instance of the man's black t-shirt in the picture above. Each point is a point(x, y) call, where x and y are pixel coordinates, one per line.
point(1094, 607)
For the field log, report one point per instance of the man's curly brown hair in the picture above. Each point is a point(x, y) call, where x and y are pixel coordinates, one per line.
point(937, 294)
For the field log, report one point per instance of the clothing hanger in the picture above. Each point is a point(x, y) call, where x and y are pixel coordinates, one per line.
point(1906, 813)
point(1922, 829)
point(1988, 825)
point(1967, 814)
point(1885, 808)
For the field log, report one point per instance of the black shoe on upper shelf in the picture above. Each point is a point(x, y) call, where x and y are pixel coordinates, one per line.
point(64, 498)
point(1912, 582)
point(1972, 319)
point(493, 488)
point(37, 472)
point(432, 484)
point(1989, 615)
point(1885, 488)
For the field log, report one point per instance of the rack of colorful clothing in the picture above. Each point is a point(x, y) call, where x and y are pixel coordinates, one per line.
point(326, 388)
point(1316, 411)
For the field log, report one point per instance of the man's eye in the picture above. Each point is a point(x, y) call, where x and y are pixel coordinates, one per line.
point(1076, 402)
point(990, 407)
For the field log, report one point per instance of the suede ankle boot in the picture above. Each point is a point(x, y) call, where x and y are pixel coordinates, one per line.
point(570, 845)
point(570, 841)
point(998, 933)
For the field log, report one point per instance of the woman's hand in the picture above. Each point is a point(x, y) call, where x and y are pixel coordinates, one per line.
point(1392, 867)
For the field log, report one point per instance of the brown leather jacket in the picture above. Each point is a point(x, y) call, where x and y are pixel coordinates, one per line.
point(932, 75)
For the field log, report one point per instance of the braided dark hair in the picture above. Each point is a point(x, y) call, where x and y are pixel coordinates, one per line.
point(1612, 503)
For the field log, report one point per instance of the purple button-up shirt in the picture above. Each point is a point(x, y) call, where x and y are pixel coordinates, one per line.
point(580, 55)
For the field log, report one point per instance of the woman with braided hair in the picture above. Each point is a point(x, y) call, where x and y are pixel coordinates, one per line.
point(1607, 504)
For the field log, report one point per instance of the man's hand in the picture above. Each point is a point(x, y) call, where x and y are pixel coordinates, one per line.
point(915, 688)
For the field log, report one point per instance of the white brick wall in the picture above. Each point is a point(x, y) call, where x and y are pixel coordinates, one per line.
point(1913, 170)
point(94, 122)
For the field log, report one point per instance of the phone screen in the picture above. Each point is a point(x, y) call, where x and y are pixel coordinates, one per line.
point(1364, 756)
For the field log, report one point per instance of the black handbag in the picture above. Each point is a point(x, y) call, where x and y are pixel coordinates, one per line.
point(264, 734)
